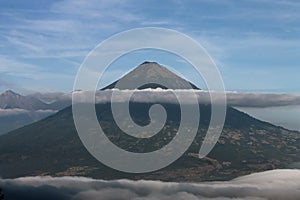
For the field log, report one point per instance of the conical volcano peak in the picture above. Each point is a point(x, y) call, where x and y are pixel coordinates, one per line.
point(154, 76)
point(149, 62)
point(148, 69)
point(151, 65)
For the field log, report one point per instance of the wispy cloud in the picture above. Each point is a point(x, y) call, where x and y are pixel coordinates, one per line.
point(17, 68)
point(104, 9)
point(253, 35)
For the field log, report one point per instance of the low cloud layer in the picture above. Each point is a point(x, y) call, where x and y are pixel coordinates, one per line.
point(17, 111)
point(276, 184)
point(239, 99)
point(261, 99)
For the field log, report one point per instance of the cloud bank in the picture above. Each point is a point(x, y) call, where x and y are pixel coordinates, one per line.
point(239, 99)
point(276, 184)
point(18, 111)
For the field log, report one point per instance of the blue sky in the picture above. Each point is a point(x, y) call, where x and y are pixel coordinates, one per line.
point(255, 44)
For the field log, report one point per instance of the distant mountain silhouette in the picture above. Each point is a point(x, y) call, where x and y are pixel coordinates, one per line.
point(10, 99)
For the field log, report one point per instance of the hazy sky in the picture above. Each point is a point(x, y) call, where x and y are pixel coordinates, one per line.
point(256, 44)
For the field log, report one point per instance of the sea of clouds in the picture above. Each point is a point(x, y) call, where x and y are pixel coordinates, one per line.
point(239, 99)
point(275, 184)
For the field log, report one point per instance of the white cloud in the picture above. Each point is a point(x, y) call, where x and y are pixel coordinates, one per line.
point(238, 99)
point(248, 99)
point(276, 184)
point(17, 111)
point(241, 99)
point(10, 112)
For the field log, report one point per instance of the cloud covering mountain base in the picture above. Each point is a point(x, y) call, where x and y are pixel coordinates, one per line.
point(276, 184)
point(241, 99)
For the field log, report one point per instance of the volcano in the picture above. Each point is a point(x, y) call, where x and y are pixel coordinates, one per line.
point(52, 146)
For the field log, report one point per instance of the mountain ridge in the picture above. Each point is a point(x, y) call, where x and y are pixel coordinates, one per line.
point(11, 100)
point(17, 110)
